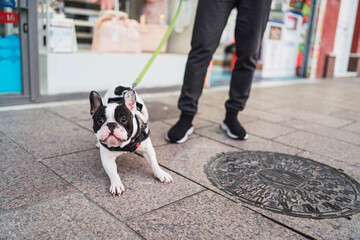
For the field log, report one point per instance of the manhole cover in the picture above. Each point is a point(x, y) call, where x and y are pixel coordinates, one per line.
point(285, 184)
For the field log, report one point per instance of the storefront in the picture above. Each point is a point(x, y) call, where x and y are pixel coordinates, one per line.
point(287, 39)
point(84, 45)
point(54, 50)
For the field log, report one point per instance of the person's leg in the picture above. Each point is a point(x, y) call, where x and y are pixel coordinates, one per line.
point(210, 20)
point(250, 26)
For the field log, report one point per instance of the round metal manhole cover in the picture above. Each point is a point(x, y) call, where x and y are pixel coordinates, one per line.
point(285, 184)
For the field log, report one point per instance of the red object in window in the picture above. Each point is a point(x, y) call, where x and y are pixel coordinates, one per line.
point(6, 17)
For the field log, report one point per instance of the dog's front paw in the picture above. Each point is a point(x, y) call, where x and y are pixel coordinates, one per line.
point(164, 177)
point(117, 188)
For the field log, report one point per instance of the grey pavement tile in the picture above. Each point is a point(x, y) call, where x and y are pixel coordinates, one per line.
point(210, 113)
point(215, 99)
point(338, 228)
point(170, 101)
point(143, 192)
point(88, 124)
point(351, 169)
point(208, 216)
point(217, 115)
point(351, 105)
point(188, 158)
point(267, 130)
point(314, 105)
point(348, 114)
point(334, 133)
point(312, 116)
point(159, 111)
point(158, 131)
point(68, 217)
point(23, 115)
point(23, 180)
point(265, 115)
point(44, 134)
point(197, 122)
point(253, 143)
point(322, 145)
point(263, 102)
point(354, 127)
point(73, 112)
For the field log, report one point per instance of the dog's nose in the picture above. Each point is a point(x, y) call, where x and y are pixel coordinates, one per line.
point(111, 126)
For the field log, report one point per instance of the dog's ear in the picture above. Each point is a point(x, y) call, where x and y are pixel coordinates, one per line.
point(95, 102)
point(130, 100)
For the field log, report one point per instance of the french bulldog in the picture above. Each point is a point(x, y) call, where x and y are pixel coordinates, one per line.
point(120, 125)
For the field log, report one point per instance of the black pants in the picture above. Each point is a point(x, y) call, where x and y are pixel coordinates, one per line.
point(210, 20)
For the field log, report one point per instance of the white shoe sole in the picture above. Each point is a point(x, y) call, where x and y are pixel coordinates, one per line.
point(226, 129)
point(187, 134)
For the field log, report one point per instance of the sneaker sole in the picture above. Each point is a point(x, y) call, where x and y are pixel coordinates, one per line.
point(226, 129)
point(187, 134)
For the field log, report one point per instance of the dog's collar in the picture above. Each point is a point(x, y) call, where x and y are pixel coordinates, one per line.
point(141, 135)
point(120, 99)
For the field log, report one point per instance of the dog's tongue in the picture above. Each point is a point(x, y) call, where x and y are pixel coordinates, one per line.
point(112, 141)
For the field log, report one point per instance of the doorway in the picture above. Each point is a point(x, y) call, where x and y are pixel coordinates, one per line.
point(18, 33)
point(343, 38)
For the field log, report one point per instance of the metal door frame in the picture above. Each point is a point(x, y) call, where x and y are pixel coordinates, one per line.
point(27, 10)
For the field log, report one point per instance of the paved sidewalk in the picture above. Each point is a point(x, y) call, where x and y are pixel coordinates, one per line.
point(53, 185)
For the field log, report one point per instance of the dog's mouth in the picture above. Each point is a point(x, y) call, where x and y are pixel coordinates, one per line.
point(111, 138)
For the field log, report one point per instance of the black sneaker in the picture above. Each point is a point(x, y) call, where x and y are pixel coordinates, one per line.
point(233, 128)
point(226, 129)
point(180, 132)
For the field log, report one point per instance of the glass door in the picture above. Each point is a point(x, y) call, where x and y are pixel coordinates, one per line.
point(17, 32)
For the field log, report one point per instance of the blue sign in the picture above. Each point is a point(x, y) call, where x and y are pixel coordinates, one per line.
point(7, 3)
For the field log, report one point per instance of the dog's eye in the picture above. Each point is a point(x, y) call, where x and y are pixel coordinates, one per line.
point(100, 120)
point(123, 119)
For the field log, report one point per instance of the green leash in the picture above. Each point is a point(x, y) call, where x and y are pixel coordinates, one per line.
point(158, 49)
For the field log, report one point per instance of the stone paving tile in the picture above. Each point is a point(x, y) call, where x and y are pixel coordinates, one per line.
point(322, 145)
point(143, 192)
point(158, 131)
point(312, 116)
point(334, 133)
point(348, 168)
point(267, 130)
point(166, 100)
point(253, 143)
point(23, 180)
point(354, 127)
point(318, 106)
point(73, 112)
point(348, 114)
point(188, 159)
point(44, 135)
point(351, 105)
point(68, 217)
point(208, 216)
point(160, 111)
point(197, 123)
point(88, 124)
point(264, 115)
point(217, 116)
point(262, 101)
point(338, 228)
point(23, 115)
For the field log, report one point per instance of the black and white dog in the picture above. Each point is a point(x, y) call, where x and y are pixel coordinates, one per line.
point(120, 125)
